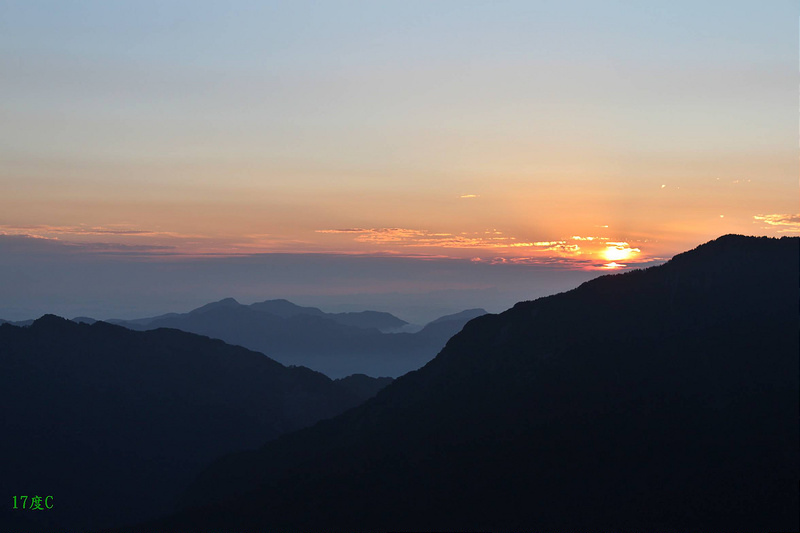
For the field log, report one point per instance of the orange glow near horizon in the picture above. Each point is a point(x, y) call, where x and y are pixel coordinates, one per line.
point(392, 131)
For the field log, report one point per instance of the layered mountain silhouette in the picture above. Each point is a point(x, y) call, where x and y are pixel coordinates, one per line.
point(659, 399)
point(17, 323)
point(337, 344)
point(284, 309)
point(114, 423)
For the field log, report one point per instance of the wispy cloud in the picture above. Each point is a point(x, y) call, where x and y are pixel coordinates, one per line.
point(47, 231)
point(25, 244)
point(564, 248)
point(346, 230)
point(785, 223)
point(557, 246)
point(26, 234)
point(469, 196)
point(407, 237)
point(487, 240)
point(123, 239)
point(579, 238)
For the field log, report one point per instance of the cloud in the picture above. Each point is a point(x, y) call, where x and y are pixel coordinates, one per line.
point(785, 223)
point(47, 231)
point(566, 263)
point(118, 239)
point(407, 237)
point(487, 240)
point(346, 230)
point(565, 248)
point(557, 246)
point(579, 238)
point(22, 245)
point(469, 196)
point(621, 247)
point(26, 235)
point(126, 239)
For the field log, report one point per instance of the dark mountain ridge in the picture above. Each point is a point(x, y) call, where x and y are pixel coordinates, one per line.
point(114, 423)
point(664, 398)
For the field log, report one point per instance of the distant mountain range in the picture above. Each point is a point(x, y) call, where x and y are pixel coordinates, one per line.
point(22, 323)
point(664, 399)
point(114, 423)
point(337, 344)
point(384, 322)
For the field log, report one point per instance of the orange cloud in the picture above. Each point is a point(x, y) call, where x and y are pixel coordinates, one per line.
point(785, 223)
point(488, 240)
point(81, 230)
point(407, 237)
point(579, 238)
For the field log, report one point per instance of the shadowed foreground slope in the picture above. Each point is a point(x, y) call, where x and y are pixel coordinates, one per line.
point(658, 399)
point(115, 423)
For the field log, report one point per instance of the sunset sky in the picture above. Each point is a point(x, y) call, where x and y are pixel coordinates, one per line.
point(460, 139)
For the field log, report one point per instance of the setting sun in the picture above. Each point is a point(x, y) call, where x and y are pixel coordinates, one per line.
point(619, 251)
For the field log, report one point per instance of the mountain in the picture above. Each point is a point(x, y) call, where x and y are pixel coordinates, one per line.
point(658, 399)
point(286, 309)
point(463, 316)
point(226, 303)
point(448, 325)
point(114, 423)
point(384, 322)
point(362, 319)
point(337, 344)
point(16, 323)
point(363, 386)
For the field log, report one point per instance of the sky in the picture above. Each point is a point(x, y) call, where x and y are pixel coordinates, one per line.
point(421, 156)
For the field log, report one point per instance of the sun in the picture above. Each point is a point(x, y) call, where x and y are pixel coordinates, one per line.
point(613, 253)
point(618, 251)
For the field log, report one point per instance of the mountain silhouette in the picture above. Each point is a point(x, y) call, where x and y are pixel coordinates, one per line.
point(448, 325)
point(658, 399)
point(17, 322)
point(337, 344)
point(114, 423)
point(364, 387)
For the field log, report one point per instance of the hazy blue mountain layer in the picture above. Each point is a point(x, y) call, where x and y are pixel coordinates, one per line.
point(337, 344)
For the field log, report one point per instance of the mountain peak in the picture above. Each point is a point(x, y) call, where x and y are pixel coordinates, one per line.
point(50, 319)
point(737, 244)
point(284, 308)
point(225, 303)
